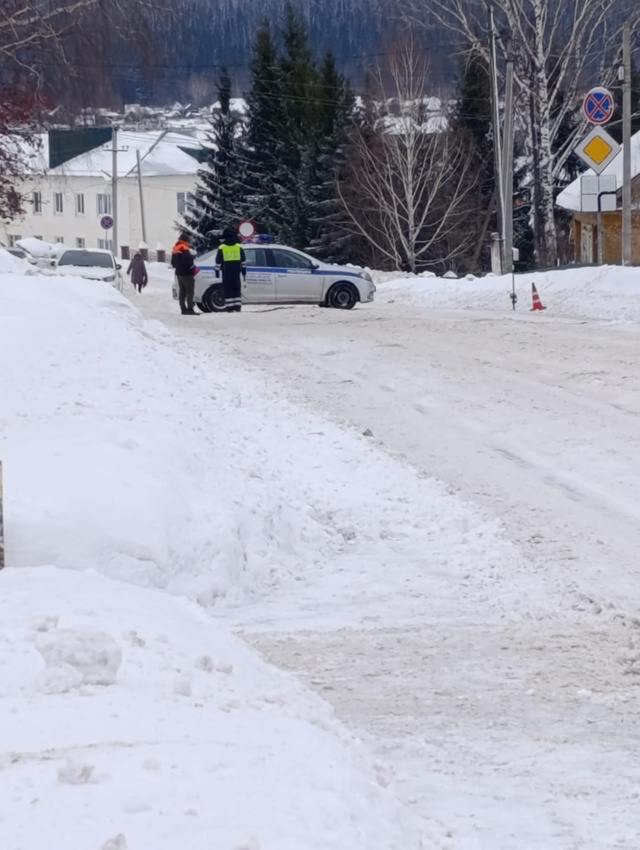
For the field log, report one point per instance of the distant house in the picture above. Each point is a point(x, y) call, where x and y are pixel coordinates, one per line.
point(64, 203)
point(585, 224)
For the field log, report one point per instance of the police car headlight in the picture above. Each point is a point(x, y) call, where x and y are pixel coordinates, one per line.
point(110, 278)
point(367, 277)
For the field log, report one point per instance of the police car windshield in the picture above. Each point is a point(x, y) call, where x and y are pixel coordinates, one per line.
point(87, 259)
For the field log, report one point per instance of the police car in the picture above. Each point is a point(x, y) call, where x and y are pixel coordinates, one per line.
point(277, 274)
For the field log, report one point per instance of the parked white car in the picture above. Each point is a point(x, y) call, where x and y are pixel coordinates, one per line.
point(277, 274)
point(93, 264)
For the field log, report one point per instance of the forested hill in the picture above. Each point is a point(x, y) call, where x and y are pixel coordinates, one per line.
point(179, 54)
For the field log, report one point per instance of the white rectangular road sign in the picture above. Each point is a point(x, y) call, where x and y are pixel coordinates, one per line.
point(598, 149)
point(604, 186)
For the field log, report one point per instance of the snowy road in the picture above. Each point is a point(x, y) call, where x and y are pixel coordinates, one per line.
point(512, 733)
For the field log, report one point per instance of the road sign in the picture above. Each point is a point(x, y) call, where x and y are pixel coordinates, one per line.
point(106, 222)
point(598, 149)
point(247, 229)
point(599, 106)
point(598, 194)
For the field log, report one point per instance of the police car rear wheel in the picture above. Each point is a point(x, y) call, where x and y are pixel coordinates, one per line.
point(342, 296)
point(213, 299)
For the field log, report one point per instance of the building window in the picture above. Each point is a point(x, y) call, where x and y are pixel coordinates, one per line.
point(80, 243)
point(58, 203)
point(80, 204)
point(37, 203)
point(185, 202)
point(60, 240)
point(104, 204)
point(13, 238)
point(105, 244)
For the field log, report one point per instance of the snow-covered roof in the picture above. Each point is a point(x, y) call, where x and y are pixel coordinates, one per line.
point(161, 154)
point(570, 198)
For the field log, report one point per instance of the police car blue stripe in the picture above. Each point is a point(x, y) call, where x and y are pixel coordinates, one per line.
point(277, 270)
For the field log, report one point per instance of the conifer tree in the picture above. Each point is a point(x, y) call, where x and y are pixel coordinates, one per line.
point(326, 165)
point(262, 148)
point(214, 204)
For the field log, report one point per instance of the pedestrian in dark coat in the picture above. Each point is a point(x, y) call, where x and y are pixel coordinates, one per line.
point(138, 271)
point(231, 260)
point(182, 262)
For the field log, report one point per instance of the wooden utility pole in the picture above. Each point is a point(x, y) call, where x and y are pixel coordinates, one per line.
point(507, 168)
point(495, 116)
point(626, 147)
point(141, 193)
point(114, 188)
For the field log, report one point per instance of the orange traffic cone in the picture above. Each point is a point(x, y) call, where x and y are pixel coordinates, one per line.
point(537, 303)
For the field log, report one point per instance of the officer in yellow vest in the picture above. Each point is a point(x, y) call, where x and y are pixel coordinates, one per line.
point(231, 260)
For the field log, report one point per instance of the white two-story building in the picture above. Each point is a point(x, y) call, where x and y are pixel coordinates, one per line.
point(67, 203)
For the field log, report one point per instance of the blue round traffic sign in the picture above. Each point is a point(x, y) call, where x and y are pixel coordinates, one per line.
point(106, 222)
point(599, 106)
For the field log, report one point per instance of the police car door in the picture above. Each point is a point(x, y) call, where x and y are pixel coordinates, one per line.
point(259, 287)
point(296, 279)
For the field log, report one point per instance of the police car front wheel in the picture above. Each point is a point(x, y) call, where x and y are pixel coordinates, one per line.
point(213, 298)
point(342, 296)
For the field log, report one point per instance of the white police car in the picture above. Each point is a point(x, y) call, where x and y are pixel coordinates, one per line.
point(277, 274)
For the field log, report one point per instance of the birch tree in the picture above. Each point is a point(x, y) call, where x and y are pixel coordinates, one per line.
point(558, 48)
point(409, 181)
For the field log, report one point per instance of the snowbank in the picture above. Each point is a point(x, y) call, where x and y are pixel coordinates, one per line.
point(611, 293)
point(131, 453)
point(132, 718)
point(10, 264)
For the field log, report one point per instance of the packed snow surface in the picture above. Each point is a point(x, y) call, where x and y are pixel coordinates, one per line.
point(477, 638)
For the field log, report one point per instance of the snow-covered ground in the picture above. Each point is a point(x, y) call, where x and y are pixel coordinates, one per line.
point(607, 293)
point(126, 710)
point(475, 636)
point(507, 714)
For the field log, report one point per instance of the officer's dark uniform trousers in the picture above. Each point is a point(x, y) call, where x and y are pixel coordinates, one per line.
point(231, 260)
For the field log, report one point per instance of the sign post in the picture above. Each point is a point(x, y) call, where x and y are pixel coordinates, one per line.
point(598, 150)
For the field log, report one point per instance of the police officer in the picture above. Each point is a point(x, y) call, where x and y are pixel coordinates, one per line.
point(231, 260)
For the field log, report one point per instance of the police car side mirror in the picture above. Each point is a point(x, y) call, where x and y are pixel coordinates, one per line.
point(118, 266)
point(315, 266)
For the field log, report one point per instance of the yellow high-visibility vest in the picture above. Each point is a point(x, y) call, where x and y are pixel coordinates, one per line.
point(231, 253)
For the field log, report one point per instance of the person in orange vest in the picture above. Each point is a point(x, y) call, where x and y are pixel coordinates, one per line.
point(182, 262)
point(231, 261)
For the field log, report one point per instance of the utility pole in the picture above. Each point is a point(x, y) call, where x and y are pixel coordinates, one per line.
point(507, 167)
point(140, 192)
point(626, 147)
point(114, 188)
point(495, 116)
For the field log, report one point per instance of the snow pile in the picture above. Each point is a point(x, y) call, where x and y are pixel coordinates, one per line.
point(10, 264)
point(40, 249)
point(242, 759)
point(595, 292)
point(78, 657)
point(129, 452)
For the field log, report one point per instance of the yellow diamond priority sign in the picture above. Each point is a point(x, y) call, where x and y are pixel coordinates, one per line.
point(598, 149)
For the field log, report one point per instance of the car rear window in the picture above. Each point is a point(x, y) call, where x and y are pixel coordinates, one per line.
point(86, 259)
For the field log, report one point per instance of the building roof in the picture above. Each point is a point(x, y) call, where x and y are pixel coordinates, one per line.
point(162, 153)
point(570, 198)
